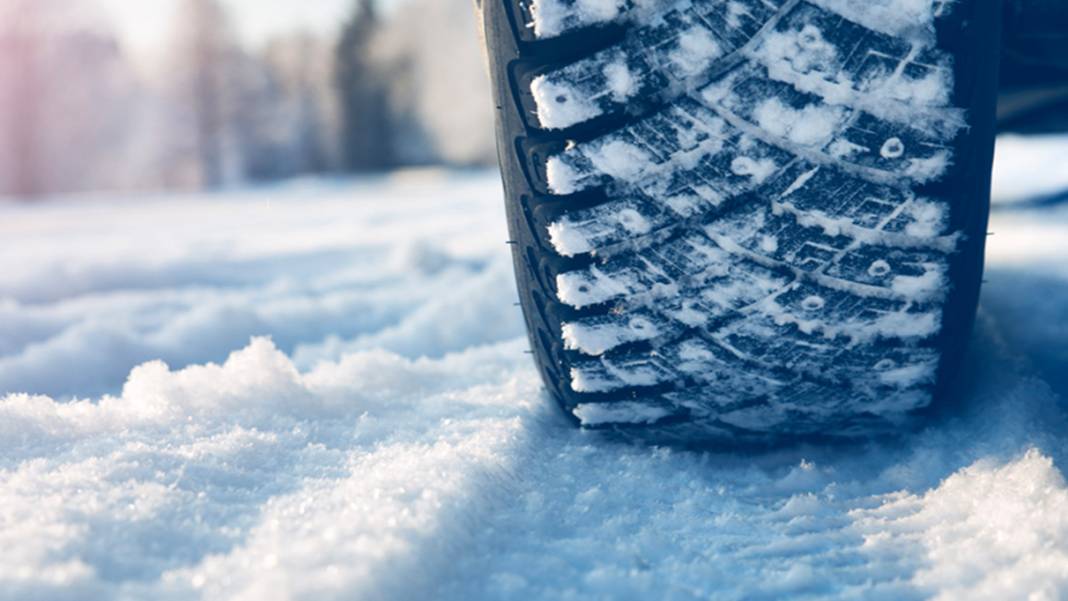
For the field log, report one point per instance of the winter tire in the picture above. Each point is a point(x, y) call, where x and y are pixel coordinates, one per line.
point(743, 221)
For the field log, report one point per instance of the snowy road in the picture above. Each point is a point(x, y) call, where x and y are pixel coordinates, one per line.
point(392, 442)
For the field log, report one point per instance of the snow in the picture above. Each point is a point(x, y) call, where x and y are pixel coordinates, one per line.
point(925, 231)
point(553, 17)
point(758, 170)
point(917, 96)
point(567, 239)
point(582, 289)
point(901, 323)
point(596, 338)
point(697, 49)
point(913, 19)
point(620, 160)
point(593, 414)
point(620, 80)
point(814, 125)
point(561, 177)
point(391, 440)
point(559, 105)
point(931, 284)
point(928, 169)
point(201, 276)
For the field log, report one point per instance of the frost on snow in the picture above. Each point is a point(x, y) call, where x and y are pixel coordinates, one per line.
point(393, 440)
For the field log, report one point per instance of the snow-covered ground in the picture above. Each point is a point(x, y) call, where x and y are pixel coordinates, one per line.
point(344, 410)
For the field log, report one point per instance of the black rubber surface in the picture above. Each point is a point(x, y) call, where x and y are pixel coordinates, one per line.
point(822, 385)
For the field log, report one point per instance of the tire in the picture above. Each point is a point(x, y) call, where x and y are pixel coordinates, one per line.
point(748, 221)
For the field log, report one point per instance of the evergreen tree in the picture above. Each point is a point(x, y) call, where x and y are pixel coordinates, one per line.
point(366, 129)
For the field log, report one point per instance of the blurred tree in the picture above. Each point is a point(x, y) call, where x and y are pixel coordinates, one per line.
point(431, 52)
point(289, 123)
point(21, 95)
point(78, 111)
point(64, 89)
point(367, 141)
point(207, 50)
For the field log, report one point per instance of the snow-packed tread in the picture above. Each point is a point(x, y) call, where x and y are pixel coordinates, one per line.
point(679, 49)
point(740, 253)
point(737, 204)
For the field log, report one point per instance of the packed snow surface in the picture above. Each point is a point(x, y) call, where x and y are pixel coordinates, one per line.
point(344, 410)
